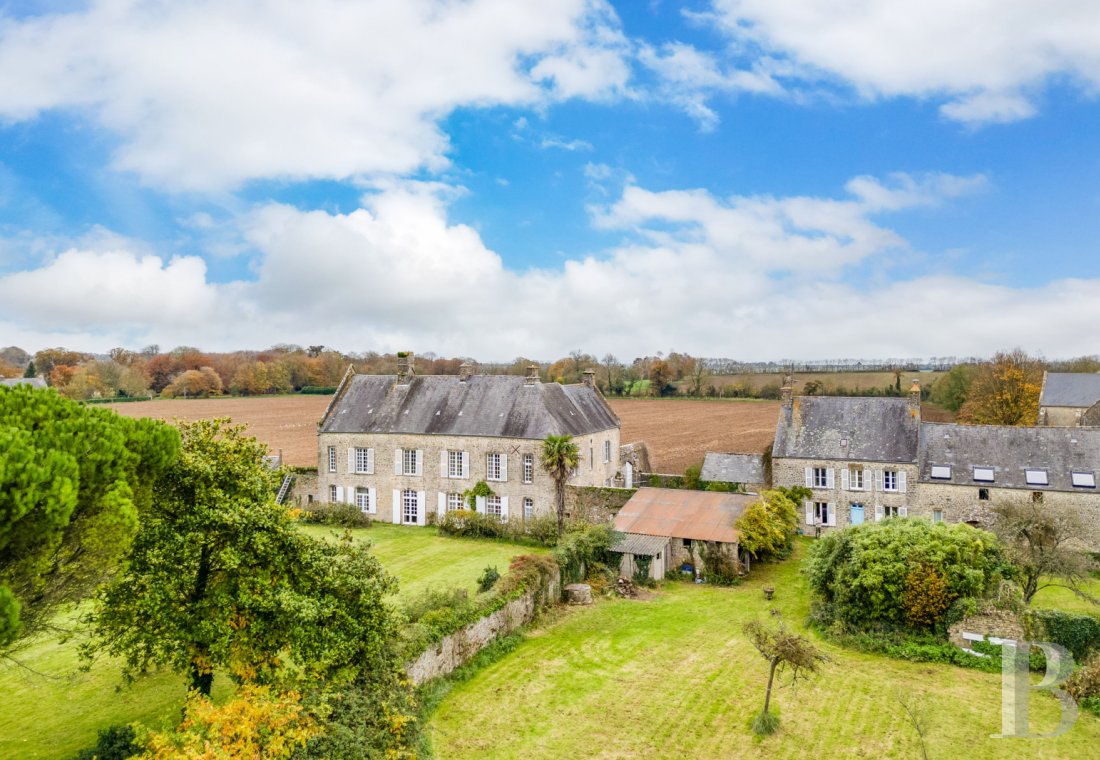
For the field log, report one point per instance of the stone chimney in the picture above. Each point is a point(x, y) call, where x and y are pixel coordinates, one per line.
point(404, 367)
point(589, 377)
point(786, 394)
point(532, 374)
point(914, 397)
point(465, 370)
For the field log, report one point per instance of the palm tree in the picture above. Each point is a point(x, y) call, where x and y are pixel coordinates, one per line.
point(559, 457)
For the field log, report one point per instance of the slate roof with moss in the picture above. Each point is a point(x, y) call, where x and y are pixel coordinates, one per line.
point(1059, 451)
point(1072, 389)
point(502, 406)
point(733, 468)
point(848, 428)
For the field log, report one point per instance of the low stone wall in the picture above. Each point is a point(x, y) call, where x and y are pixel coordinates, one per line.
point(595, 504)
point(304, 489)
point(444, 656)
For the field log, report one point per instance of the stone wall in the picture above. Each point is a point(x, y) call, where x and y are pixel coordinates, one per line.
point(792, 472)
point(455, 650)
point(1060, 416)
point(304, 489)
point(594, 504)
point(593, 469)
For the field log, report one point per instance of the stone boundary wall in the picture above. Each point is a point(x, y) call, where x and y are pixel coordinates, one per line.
point(595, 504)
point(304, 489)
point(455, 650)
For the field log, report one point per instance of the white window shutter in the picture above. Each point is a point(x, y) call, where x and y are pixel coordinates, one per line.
point(397, 506)
point(809, 477)
point(479, 504)
point(845, 482)
point(419, 462)
point(503, 466)
point(878, 513)
point(465, 464)
point(866, 480)
point(903, 511)
point(879, 478)
point(372, 500)
point(421, 507)
point(830, 480)
point(441, 507)
point(351, 459)
point(397, 461)
point(444, 472)
point(901, 480)
point(351, 494)
point(370, 461)
point(339, 494)
point(832, 514)
point(809, 513)
point(503, 507)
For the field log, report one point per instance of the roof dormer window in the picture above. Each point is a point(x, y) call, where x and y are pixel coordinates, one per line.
point(983, 474)
point(941, 472)
point(1083, 480)
point(1036, 477)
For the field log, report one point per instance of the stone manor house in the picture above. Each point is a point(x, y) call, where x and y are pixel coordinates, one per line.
point(873, 458)
point(403, 446)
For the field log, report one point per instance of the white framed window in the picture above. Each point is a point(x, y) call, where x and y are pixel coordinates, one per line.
point(409, 511)
point(889, 510)
point(332, 459)
point(492, 505)
point(606, 451)
point(528, 468)
point(528, 508)
point(1036, 477)
point(889, 480)
point(1083, 479)
point(822, 477)
point(332, 497)
point(983, 474)
point(410, 461)
point(941, 472)
point(855, 479)
point(362, 498)
point(363, 460)
point(937, 515)
point(821, 513)
point(454, 501)
point(495, 467)
point(454, 464)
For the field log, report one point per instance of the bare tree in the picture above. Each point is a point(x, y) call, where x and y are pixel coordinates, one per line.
point(784, 651)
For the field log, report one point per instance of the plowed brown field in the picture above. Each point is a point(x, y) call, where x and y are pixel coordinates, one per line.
point(677, 432)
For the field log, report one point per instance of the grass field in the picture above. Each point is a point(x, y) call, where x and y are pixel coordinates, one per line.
point(58, 711)
point(673, 676)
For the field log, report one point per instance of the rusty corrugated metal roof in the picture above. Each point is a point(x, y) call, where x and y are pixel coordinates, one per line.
point(698, 515)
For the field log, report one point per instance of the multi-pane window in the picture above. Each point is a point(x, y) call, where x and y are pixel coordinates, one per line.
point(855, 478)
point(492, 505)
point(409, 511)
point(454, 464)
point(362, 460)
point(821, 512)
point(454, 501)
point(494, 467)
point(937, 515)
point(528, 508)
point(528, 468)
point(889, 480)
point(408, 461)
point(891, 511)
point(362, 498)
point(332, 494)
point(606, 451)
point(821, 477)
point(332, 459)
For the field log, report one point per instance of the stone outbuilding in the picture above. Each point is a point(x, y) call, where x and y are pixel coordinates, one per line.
point(745, 470)
point(1069, 399)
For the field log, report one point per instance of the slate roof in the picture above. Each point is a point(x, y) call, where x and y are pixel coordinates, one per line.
point(1009, 451)
point(636, 543)
point(1074, 389)
point(35, 382)
point(698, 515)
point(484, 405)
point(864, 429)
point(733, 468)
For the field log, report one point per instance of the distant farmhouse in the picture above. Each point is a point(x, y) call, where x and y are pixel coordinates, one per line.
point(34, 382)
point(873, 458)
point(403, 446)
point(1070, 399)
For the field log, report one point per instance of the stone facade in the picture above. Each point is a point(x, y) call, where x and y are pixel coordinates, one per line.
point(383, 488)
point(1060, 416)
point(845, 497)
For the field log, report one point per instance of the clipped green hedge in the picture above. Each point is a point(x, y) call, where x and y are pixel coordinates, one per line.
point(318, 390)
point(1077, 632)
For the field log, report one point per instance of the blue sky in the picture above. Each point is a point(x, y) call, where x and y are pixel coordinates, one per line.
point(738, 178)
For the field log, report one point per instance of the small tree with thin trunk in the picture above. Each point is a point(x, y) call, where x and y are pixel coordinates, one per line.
point(560, 456)
point(784, 651)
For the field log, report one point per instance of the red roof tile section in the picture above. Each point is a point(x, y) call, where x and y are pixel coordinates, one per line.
point(698, 515)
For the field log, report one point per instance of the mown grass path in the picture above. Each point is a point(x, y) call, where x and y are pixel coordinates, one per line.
point(674, 677)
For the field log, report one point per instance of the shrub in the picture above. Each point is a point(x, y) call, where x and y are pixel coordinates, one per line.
point(582, 548)
point(318, 390)
point(1078, 633)
point(641, 570)
point(113, 743)
point(692, 479)
point(339, 515)
point(768, 526)
point(1085, 682)
point(488, 577)
point(926, 597)
point(859, 575)
point(720, 565)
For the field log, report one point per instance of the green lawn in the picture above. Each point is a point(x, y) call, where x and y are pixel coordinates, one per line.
point(56, 714)
point(673, 676)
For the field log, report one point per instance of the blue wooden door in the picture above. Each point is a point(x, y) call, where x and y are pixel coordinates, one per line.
point(856, 517)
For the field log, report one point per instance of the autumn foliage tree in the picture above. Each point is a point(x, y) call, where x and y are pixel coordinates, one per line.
point(1004, 391)
point(787, 652)
point(768, 525)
